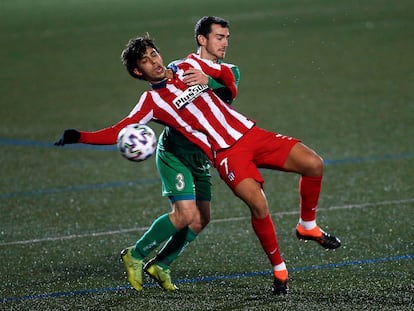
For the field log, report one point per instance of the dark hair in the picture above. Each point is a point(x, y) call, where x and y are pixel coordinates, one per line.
point(203, 26)
point(134, 51)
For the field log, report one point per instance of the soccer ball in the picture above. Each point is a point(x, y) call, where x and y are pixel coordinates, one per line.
point(137, 142)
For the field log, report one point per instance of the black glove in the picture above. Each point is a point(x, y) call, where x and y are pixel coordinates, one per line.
point(69, 136)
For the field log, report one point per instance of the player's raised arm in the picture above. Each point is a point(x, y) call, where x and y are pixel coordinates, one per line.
point(219, 72)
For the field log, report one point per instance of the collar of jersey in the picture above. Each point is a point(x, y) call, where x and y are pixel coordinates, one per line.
point(160, 85)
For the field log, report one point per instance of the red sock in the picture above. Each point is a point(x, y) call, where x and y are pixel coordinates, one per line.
point(266, 233)
point(309, 190)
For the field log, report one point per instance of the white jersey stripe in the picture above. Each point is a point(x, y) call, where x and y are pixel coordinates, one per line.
point(148, 117)
point(193, 63)
point(222, 119)
point(167, 108)
point(202, 119)
point(248, 123)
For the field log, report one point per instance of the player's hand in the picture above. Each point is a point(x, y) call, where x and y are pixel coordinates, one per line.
point(70, 136)
point(194, 76)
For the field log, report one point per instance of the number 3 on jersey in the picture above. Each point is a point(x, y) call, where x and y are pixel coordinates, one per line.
point(180, 184)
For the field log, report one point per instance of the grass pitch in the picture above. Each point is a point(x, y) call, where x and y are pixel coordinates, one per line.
point(339, 75)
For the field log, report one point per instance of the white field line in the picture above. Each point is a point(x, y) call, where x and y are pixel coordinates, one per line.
point(122, 231)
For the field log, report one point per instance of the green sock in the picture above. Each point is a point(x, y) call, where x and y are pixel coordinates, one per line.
point(175, 246)
point(161, 229)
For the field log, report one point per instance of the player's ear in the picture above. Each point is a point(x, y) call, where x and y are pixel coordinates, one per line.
point(137, 72)
point(202, 40)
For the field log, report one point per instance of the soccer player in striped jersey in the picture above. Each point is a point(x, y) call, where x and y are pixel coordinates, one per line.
point(184, 168)
point(234, 144)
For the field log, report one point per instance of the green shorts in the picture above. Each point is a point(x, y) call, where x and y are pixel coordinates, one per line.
point(184, 176)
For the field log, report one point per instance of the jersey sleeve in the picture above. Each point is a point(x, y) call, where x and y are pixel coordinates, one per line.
point(105, 136)
point(219, 72)
point(226, 77)
point(221, 90)
point(141, 113)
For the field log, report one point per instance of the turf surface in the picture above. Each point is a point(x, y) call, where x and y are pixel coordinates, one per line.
point(337, 74)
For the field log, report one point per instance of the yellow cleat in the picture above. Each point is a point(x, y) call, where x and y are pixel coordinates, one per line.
point(160, 275)
point(133, 268)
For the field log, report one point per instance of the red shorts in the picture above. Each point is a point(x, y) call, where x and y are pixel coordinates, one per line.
point(258, 148)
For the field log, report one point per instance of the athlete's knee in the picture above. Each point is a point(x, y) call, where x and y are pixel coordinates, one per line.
point(259, 208)
point(251, 192)
point(184, 213)
point(199, 222)
point(315, 165)
point(304, 161)
point(202, 218)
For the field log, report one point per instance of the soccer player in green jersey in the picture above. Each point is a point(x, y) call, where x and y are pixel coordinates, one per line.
point(185, 173)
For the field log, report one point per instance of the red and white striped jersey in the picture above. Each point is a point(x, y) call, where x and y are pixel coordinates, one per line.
point(196, 112)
